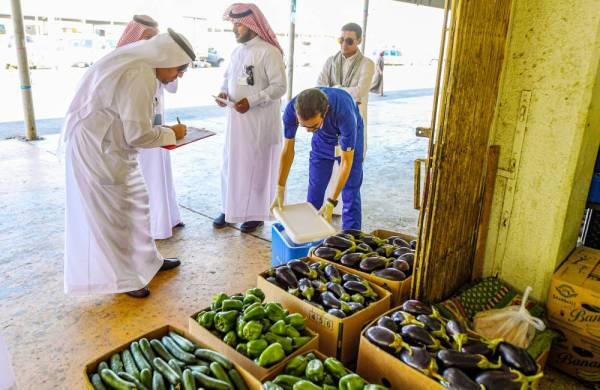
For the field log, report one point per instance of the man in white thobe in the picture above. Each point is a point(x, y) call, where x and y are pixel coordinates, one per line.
point(156, 162)
point(253, 85)
point(351, 71)
point(108, 245)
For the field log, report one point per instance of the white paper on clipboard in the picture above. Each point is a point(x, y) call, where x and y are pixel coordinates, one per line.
point(224, 101)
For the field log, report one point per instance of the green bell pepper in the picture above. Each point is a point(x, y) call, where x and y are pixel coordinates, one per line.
point(251, 299)
point(231, 304)
point(374, 387)
point(257, 292)
point(296, 366)
point(254, 312)
point(305, 385)
point(273, 354)
point(271, 386)
point(315, 371)
point(239, 327)
point(285, 342)
point(310, 356)
point(225, 320)
point(329, 387)
point(296, 320)
point(266, 323)
point(291, 331)
point(335, 367)
point(242, 348)
point(252, 330)
point(217, 300)
point(286, 381)
point(275, 311)
point(206, 319)
point(255, 347)
point(351, 382)
point(237, 297)
point(230, 338)
point(328, 380)
point(298, 342)
point(279, 328)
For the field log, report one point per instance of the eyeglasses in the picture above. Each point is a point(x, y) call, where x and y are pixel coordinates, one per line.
point(249, 70)
point(349, 41)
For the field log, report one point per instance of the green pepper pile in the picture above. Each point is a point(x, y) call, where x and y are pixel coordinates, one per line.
point(308, 372)
point(171, 362)
point(266, 333)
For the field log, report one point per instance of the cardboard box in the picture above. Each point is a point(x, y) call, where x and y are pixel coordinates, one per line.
point(575, 354)
point(574, 294)
point(400, 290)
point(248, 364)
point(382, 368)
point(339, 337)
point(90, 368)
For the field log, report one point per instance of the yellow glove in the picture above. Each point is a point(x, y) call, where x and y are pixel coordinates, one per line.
point(327, 210)
point(279, 198)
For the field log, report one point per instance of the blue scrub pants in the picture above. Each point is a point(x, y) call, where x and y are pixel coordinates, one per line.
point(318, 177)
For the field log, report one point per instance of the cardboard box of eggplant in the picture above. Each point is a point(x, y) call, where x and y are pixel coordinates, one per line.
point(337, 309)
point(382, 257)
point(413, 347)
point(121, 365)
point(253, 328)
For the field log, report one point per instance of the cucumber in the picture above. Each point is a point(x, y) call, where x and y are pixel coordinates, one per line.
point(146, 377)
point(189, 383)
point(97, 382)
point(210, 383)
point(129, 364)
point(158, 383)
point(173, 364)
point(182, 342)
point(139, 358)
point(130, 378)
point(111, 379)
point(161, 351)
point(201, 369)
point(179, 353)
point(147, 350)
point(102, 366)
point(237, 380)
point(167, 371)
point(207, 354)
point(219, 373)
point(116, 364)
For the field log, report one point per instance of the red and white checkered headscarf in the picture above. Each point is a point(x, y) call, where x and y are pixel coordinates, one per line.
point(251, 16)
point(141, 27)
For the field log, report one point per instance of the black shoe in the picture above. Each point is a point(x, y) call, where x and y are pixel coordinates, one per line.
point(170, 263)
point(141, 293)
point(219, 222)
point(179, 225)
point(250, 226)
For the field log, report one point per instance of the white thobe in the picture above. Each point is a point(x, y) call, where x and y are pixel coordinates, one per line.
point(156, 168)
point(108, 246)
point(252, 140)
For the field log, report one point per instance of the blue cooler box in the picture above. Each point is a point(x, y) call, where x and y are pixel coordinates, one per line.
point(283, 249)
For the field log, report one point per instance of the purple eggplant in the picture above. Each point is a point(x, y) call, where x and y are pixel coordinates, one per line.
point(362, 288)
point(434, 326)
point(302, 269)
point(415, 307)
point(286, 276)
point(272, 279)
point(338, 242)
point(402, 318)
point(517, 358)
point(458, 380)
point(421, 360)
point(337, 312)
point(352, 260)
point(319, 286)
point(388, 323)
point(478, 347)
point(417, 335)
point(502, 380)
point(333, 274)
point(326, 253)
point(306, 288)
point(371, 264)
point(352, 277)
point(466, 361)
point(357, 234)
point(401, 265)
point(338, 291)
point(361, 247)
point(390, 274)
point(401, 251)
point(354, 306)
point(398, 242)
point(457, 332)
point(386, 339)
point(413, 244)
point(372, 241)
point(385, 250)
point(331, 302)
point(409, 258)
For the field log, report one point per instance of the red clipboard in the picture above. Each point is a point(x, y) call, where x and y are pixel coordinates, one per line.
point(193, 134)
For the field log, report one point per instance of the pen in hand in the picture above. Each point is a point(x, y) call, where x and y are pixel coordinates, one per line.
point(178, 121)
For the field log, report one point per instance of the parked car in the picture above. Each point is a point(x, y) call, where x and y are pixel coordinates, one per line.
point(214, 59)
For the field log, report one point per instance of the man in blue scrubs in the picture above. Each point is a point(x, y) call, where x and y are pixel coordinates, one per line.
point(334, 119)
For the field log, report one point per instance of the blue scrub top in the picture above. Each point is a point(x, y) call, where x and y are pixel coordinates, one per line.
point(342, 124)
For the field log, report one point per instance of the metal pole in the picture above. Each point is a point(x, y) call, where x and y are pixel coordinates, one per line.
point(365, 18)
point(23, 65)
point(290, 71)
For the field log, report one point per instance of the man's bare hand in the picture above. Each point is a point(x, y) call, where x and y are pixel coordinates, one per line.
point(179, 130)
point(222, 95)
point(242, 106)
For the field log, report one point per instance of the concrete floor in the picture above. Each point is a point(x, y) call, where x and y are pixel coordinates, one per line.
point(51, 336)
